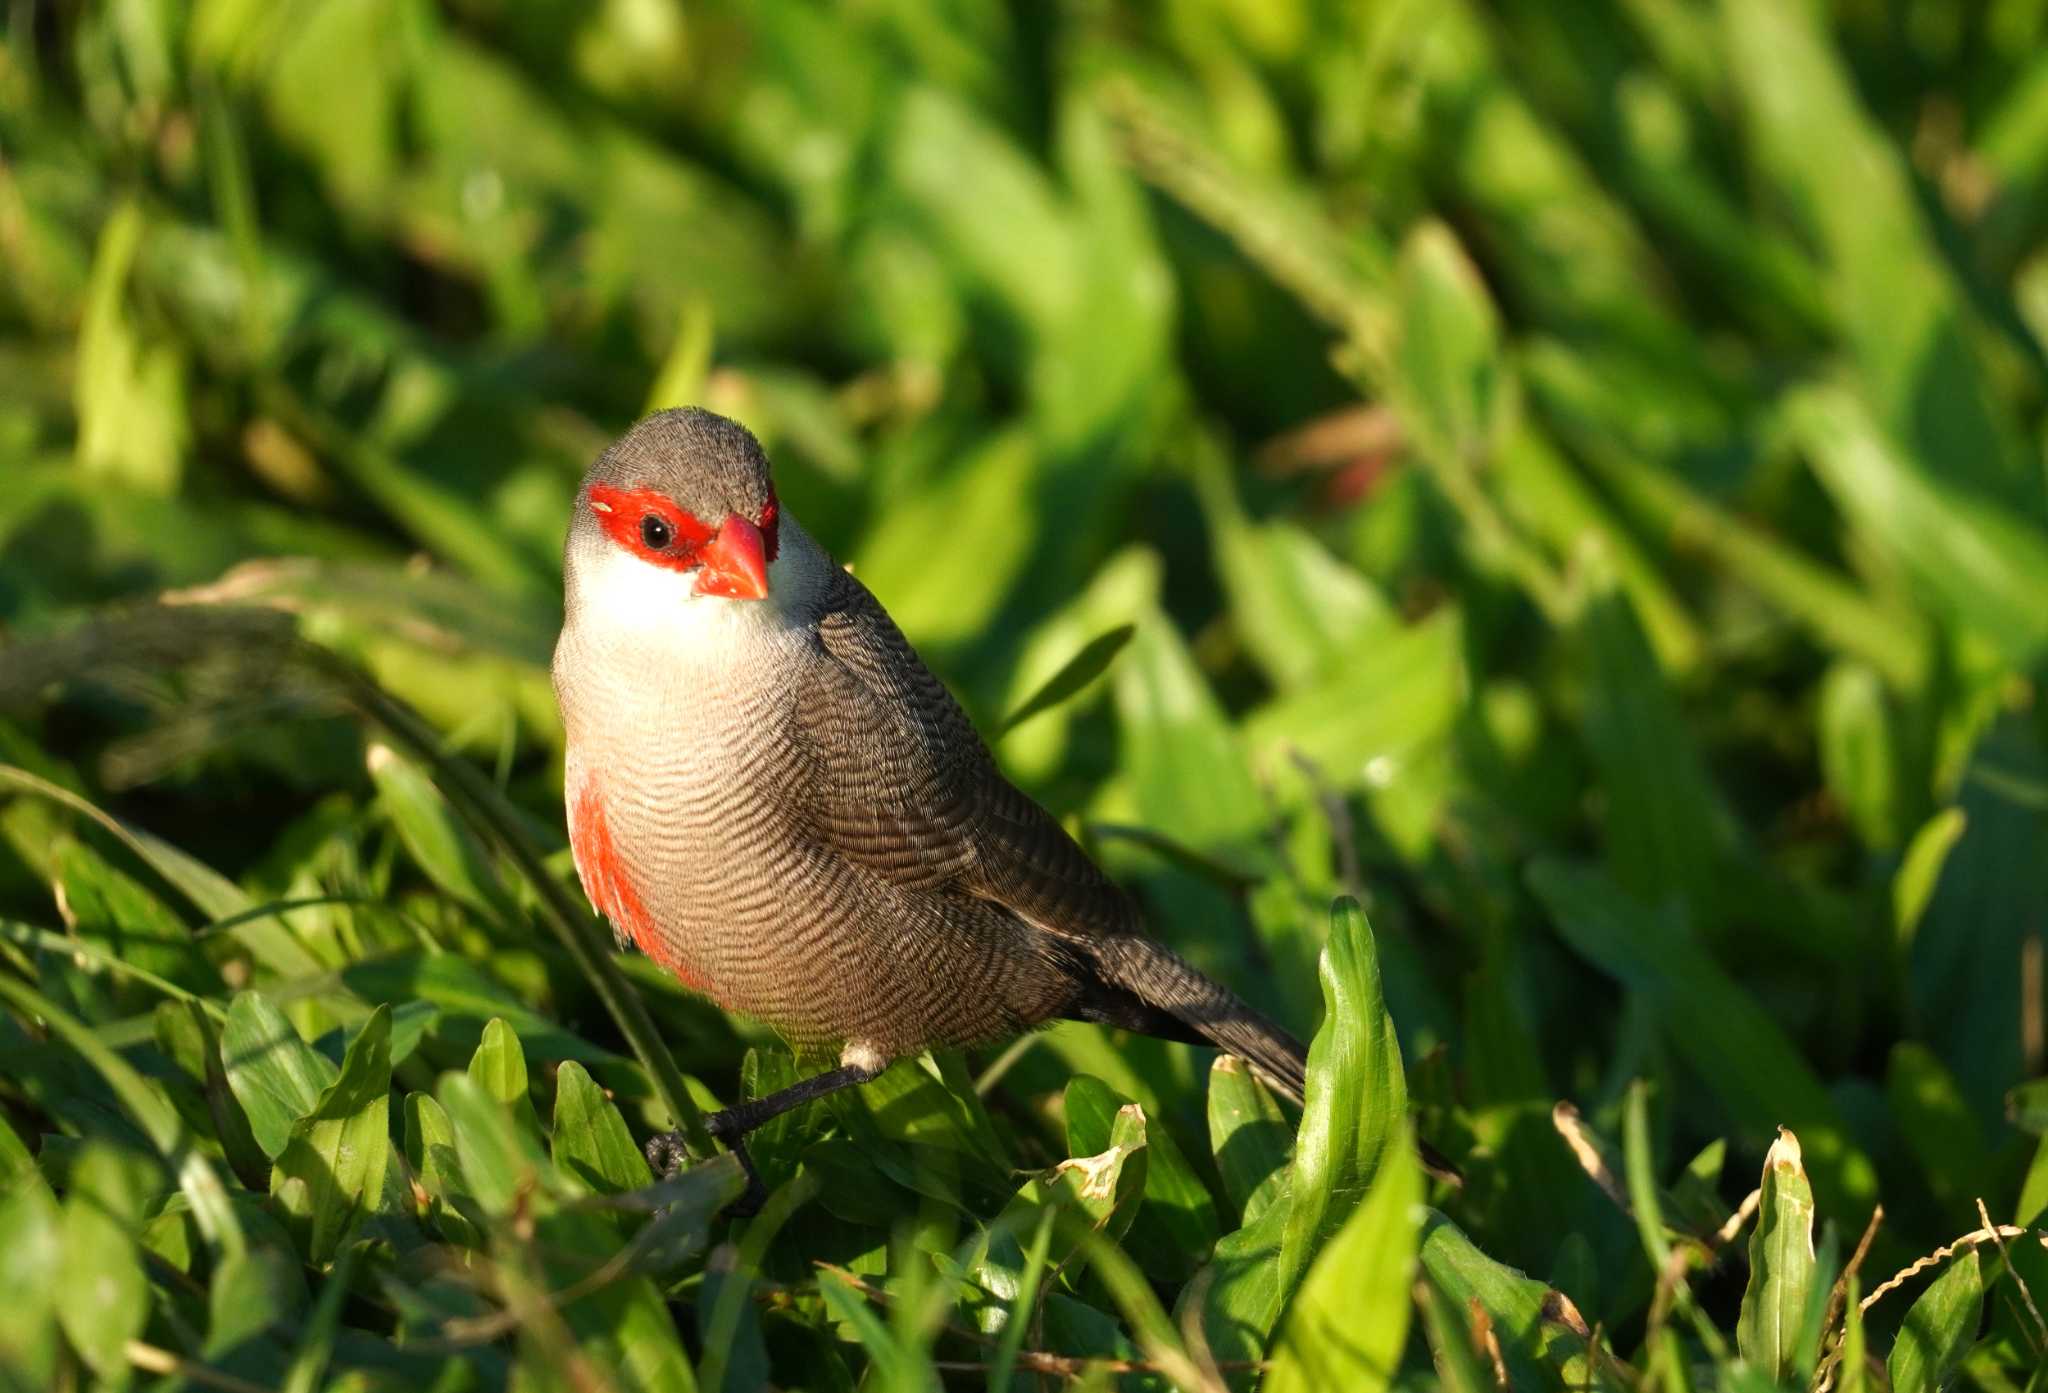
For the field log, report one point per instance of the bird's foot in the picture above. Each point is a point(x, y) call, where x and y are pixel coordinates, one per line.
point(668, 1154)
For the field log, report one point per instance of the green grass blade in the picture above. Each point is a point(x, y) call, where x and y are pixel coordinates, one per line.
point(202, 1186)
point(1357, 1105)
point(1781, 1267)
point(1349, 1321)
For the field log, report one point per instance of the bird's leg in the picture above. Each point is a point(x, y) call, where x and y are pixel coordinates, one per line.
point(666, 1152)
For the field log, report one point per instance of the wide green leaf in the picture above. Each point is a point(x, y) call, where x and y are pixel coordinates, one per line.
point(102, 1293)
point(275, 1075)
point(332, 1166)
point(32, 1255)
point(1187, 768)
point(499, 1067)
point(590, 1138)
point(1176, 1219)
point(499, 1160)
point(254, 1298)
point(436, 1167)
point(1939, 1328)
point(1297, 608)
point(1542, 1336)
point(1459, 1363)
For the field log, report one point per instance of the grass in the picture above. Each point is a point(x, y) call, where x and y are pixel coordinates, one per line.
point(1518, 530)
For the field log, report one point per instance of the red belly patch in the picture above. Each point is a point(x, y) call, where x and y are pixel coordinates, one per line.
point(605, 881)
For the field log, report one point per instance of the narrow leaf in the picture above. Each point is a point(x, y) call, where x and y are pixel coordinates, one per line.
point(1357, 1096)
point(1349, 1321)
point(1248, 1136)
point(1781, 1266)
point(1084, 667)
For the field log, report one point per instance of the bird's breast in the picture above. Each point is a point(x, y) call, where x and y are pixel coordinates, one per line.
point(678, 777)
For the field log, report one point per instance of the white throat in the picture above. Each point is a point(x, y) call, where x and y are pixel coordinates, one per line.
point(643, 623)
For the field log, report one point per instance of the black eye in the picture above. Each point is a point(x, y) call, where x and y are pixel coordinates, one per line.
point(655, 532)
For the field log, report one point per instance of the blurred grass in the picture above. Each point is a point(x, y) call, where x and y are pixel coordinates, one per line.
point(1571, 477)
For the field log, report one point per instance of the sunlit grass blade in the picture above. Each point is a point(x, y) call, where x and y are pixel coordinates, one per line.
point(1348, 1323)
point(1084, 667)
point(1973, 559)
point(1357, 1106)
point(159, 1121)
point(212, 893)
point(1896, 303)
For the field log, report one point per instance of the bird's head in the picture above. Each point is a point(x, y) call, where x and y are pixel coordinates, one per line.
point(686, 492)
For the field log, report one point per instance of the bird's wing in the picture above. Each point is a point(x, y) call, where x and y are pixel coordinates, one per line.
point(900, 783)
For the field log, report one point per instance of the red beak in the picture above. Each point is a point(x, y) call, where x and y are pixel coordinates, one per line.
point(735, 564)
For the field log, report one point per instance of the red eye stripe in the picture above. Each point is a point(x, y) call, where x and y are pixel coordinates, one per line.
point(621, 511)
point(769, 526)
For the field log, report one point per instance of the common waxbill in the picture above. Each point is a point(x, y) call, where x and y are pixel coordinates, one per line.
point(772, 797)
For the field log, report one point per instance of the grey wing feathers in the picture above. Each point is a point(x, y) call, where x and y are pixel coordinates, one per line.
point(909, 789)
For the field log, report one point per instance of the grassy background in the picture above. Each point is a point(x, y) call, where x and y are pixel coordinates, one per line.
point(1574, 479)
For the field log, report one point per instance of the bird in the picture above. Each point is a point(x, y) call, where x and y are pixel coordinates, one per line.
point(770, 795)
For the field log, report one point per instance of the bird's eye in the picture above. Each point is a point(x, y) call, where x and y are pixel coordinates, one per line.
point(655, 532)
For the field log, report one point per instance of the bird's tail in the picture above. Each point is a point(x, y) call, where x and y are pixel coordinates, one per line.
point(1164, 980)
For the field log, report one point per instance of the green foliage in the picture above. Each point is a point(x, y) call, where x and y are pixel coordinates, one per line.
point(1565, 479)
point(1781, 1270)
point(1348, 1322)
point(1939, 1329)
point(1357, 1099)
point(333, 1162)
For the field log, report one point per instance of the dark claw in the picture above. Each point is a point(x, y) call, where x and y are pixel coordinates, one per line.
point(666, 1155)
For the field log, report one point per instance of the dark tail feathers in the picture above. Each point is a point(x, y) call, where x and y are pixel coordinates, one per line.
point(1154, 991)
